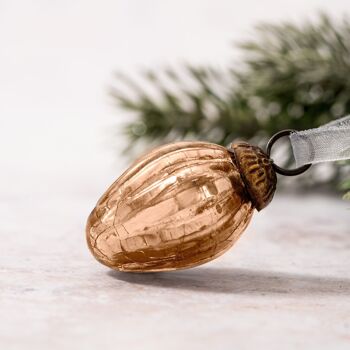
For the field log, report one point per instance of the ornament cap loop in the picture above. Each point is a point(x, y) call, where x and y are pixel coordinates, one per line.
point(278, 169)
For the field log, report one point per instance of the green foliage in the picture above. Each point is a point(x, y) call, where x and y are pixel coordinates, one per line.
point(345, 186)
point(290, 77)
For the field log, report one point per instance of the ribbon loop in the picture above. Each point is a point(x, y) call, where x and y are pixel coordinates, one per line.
point(329, 142)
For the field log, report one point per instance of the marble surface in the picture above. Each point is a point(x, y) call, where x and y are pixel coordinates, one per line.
point(285, 284)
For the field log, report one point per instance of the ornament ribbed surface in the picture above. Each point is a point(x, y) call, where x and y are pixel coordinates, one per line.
point(179, 206)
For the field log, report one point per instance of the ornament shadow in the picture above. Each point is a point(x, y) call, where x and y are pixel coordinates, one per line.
point(240, 281)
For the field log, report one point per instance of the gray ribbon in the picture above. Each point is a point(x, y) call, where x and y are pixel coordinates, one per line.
point(327, 143)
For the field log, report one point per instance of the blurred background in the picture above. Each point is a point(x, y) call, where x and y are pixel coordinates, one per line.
point(87, 86)
point(68, 110)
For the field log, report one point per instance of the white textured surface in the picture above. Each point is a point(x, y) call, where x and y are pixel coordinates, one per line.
point(285, 284)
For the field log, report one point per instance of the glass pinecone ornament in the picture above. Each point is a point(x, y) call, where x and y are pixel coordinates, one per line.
point(179, 206)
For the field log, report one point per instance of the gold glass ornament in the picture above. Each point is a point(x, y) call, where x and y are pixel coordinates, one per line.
point(179, 206)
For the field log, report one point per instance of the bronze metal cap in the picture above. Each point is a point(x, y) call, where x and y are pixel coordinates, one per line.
point(257, 172)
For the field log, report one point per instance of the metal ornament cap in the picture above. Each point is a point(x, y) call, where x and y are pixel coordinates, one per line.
point(257, 172)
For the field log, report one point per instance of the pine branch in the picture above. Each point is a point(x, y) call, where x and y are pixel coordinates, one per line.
point(292, 76)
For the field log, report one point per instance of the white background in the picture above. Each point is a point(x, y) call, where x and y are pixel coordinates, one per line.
point(57, 123)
